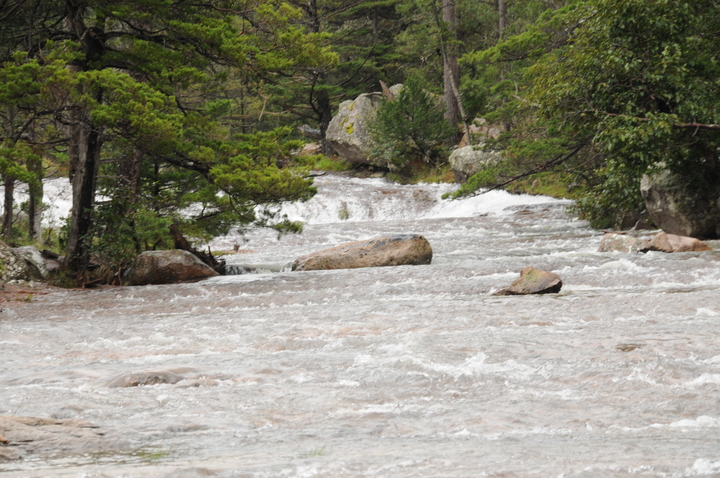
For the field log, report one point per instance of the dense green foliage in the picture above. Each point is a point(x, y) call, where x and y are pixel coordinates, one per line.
point(640, 78)
point(171, 112)
point(410, 126)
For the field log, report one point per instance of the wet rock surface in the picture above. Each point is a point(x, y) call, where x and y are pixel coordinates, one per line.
point(404, 249)
point(615, 242)
point(664, 242)
point(533, 281)
point(32, 435)
point(166, 267)
point(138, 379)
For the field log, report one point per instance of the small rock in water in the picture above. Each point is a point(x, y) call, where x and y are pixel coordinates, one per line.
point(404, 249)
point(144, 378)
point(533, 281)
point(664, 242)
point(614, 242)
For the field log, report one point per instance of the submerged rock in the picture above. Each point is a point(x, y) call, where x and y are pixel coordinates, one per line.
point(664, 242)
point(33, 435)
point(533, 281)
point(614, 242)
point(405, 249)
point(145, 378)
point(166, 267)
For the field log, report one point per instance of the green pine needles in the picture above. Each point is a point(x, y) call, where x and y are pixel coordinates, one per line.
point(412, 126)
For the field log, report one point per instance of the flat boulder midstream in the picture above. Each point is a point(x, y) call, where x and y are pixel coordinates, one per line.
point(399, 250)
point(22, 436)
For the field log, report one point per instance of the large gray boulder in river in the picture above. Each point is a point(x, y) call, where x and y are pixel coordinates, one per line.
point(166, 267)
point(677, 208)
point(405, 249)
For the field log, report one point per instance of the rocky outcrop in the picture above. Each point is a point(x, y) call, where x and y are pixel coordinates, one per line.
point(533, 281)
point(407, 249)
point(614, 242)
point(310, 149)
point(469, 160)
point(35, 436)
point(166, 267)
point(677, 208)
point(348, 131)
point(480, 130)
point(14, 267)
point(664, 242)
point(34, 260)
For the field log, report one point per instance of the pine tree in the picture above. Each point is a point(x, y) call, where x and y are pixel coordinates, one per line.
point(142, 84)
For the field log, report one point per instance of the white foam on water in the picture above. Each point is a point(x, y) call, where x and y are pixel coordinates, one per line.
point(706, 378)
point(704, 467)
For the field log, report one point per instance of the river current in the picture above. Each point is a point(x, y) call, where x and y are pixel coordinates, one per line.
point(410, 371)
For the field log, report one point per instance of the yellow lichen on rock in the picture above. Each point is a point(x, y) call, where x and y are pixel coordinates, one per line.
point(350, 128)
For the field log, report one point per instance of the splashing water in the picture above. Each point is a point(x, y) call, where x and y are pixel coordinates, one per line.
point(410, 371)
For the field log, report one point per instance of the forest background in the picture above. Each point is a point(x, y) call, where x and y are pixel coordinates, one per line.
point(175, 112)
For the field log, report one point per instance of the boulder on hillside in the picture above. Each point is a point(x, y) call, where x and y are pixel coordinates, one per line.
point(405, 249)
point(664, 242)
point(469, 160)
point(677, 208)
point(480, 130)
point(614, 242)
point(533, 281)
point(348, 131)
point(166, 267)
point(15, 267)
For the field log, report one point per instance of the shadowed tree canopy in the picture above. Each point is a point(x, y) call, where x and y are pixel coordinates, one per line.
point(135, 91)
point(640, 78)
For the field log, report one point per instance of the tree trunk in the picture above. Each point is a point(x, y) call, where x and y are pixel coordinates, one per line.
point(324, 111)
point(9, 183)
point(35, 191)
point(502, 17)
point(77, 255)
point(86, 142)
point(35, 200)
point(451, 70)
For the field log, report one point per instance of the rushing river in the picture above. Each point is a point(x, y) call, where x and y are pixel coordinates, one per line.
point(411, 371)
